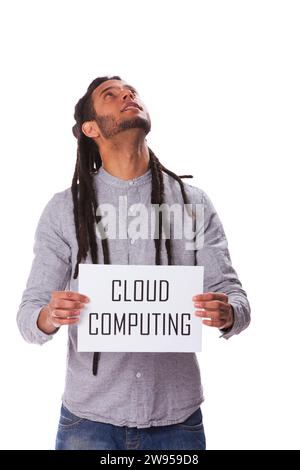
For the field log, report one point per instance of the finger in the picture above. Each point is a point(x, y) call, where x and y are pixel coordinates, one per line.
point(70, 295)
point(211, 296)
point(67, 304)
point(57, 322)
point(213, 305)
point(214, 323)
point(58, 313)
point(211, 314)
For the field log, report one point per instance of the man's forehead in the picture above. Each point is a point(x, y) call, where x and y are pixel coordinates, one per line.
point(109, 83)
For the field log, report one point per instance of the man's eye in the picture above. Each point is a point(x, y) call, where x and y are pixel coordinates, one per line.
point(109, 93)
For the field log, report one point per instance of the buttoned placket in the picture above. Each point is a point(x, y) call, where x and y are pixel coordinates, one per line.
point(132, 191)
point(133, 197)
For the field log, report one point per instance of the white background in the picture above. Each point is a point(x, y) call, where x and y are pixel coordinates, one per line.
point(221, 83)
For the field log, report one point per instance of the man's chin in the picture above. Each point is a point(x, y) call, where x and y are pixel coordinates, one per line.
point(135, 123)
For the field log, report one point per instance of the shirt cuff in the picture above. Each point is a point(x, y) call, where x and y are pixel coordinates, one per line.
point(38, 336)
point(228, 332)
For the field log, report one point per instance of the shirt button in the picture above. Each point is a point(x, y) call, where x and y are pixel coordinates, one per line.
point(131, 210)
point(138, 374)
point(131, 183)
point(131, 241)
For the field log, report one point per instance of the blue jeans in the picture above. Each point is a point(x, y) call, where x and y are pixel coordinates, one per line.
point(76, 433)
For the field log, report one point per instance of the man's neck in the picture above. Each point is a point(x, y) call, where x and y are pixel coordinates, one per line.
point(127, 160)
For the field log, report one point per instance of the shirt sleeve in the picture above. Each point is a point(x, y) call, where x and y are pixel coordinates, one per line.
point(50, 271)
point(219, 274)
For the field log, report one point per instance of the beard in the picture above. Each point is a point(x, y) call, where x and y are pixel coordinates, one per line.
point(110, 126)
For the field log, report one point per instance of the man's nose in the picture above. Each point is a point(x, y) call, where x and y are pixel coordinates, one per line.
point(127, 93)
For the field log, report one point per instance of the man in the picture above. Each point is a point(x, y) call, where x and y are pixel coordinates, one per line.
point(124, 400)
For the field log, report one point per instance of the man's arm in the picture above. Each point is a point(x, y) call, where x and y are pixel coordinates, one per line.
point(219, 274)
point(50, 271)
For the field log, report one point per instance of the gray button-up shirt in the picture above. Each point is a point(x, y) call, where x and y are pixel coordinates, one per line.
point(133, 389)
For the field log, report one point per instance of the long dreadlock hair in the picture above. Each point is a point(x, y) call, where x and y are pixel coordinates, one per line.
point(84, 196)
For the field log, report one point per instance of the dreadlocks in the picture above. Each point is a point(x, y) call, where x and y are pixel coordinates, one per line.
point(83, 192)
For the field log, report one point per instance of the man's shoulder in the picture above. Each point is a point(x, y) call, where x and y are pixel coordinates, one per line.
point(60, 202)
point(194, 193)
point(64, 196)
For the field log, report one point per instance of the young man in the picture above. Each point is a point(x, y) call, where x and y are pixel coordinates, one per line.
point(124, 400)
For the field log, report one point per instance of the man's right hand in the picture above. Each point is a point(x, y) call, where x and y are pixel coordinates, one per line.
point(64, 308)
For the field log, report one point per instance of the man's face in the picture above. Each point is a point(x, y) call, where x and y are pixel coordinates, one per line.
point(113, 112)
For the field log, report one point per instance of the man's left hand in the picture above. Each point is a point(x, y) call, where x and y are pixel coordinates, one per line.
point(215, 308)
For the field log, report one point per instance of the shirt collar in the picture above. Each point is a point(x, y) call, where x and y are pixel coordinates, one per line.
point(103, 175)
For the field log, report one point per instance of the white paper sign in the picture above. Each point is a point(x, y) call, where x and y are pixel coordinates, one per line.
point(140, 308)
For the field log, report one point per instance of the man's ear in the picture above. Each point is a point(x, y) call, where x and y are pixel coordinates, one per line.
point(90, 129)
